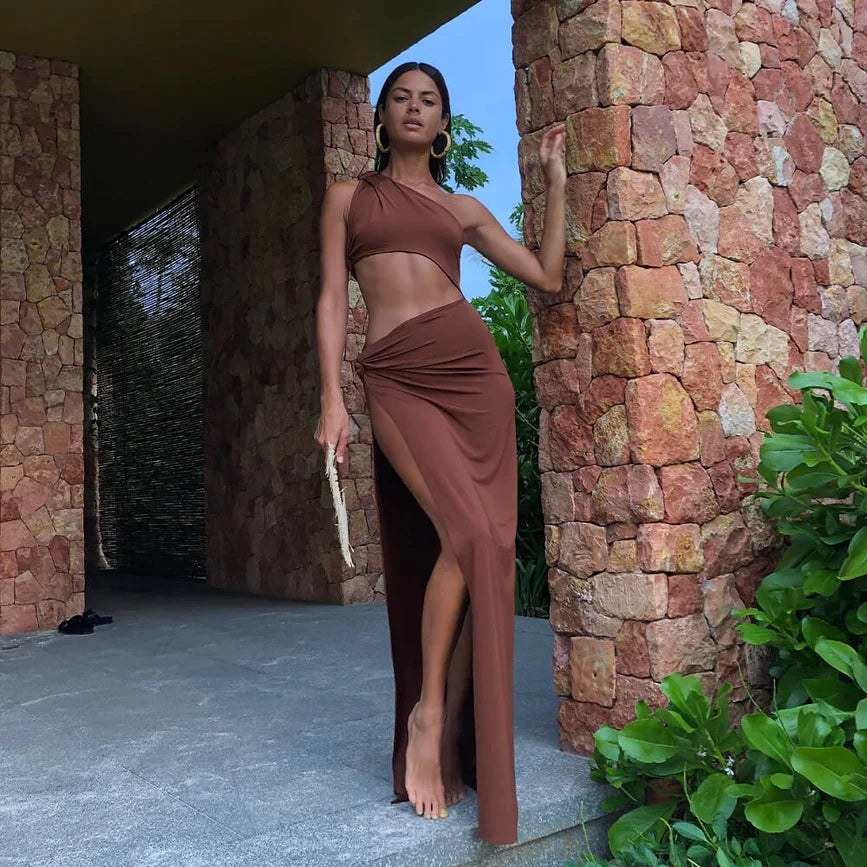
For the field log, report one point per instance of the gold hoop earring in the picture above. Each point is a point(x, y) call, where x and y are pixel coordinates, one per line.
point(445, 150)
point(379, 144)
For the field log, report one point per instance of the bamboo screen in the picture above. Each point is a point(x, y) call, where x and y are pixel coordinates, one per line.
point(149, 369)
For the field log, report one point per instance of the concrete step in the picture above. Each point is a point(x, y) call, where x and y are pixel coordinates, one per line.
point(206, 729)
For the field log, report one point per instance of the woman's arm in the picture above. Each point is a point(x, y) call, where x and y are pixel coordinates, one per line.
point(331, 312)
point(542, 270)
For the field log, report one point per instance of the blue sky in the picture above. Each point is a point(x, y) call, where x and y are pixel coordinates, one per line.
point(480, 78)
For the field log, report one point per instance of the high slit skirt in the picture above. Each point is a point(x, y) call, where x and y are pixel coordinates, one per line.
point(440, 378)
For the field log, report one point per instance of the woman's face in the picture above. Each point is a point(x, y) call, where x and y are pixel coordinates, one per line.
point(413, 109)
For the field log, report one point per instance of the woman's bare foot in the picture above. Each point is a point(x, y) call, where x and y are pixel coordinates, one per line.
point(451, 762)
point(424, 783)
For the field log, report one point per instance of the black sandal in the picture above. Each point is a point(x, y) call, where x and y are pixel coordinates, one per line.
point(76, 625)
point(94, 619)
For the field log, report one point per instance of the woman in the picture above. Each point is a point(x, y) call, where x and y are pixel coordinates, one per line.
point(442, 414)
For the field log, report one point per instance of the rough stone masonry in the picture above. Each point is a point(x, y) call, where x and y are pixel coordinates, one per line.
point(41, 345)
point(717, 241)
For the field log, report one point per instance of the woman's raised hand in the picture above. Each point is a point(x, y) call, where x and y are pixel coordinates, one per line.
point(552, 150)
point(333, 427)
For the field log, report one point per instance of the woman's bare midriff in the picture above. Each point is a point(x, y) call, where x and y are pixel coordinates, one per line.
point(398, 286)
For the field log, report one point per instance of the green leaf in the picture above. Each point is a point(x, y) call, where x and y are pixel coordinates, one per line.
point(690, 831)
point(752, 633)
point(813, 629)
point(833, 715)
point(742, 790)
point(673, 718)
point(850, 845)
point(835, 770)
point(784, 418)
point(712, 798)
point(783, 452)
point(830, 811)
point(768, 736)
point(632, 826)
point(722, 859)
point(842, 389)
point(606, 742)
point(813, 729)
point(862, 612)
point(775, 810)
point(855, 564)
point(854, 624)
point(648, 741)
point(769, 475)
point(782, 781)
point(615, 802)
point(850, 369)
point(686, 695)
point(822, 583)
point(859, 743)
point(805, 478)
point(784, 507)
point(861, 715)
point(844, 658)
point(838, 693)
point(862, 339)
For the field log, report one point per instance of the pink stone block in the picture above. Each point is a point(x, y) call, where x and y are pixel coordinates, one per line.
point(670, 547)
point(634, 195)
point(598, 139)
point(534, 33)
point(629, 76)
point(592, 668)
point(665, 241)
point(693, 34)
point(804, 144)
point(653, 138)
point(662, 423)
point(650, 293)
point(711, 173)
point(688, 494)
point(702, 375)
point(681, 645)
point(613, 244)
point(620, 348)
point(674, 178)
point(631, 644)
point(684, 595)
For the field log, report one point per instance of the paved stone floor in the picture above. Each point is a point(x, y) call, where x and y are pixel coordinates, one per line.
point(206, 729)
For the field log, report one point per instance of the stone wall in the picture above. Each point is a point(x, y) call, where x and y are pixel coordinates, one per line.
point(41, 346)
point(269, 519)
point(717, 241)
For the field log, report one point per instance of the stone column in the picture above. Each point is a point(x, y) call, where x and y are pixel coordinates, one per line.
point(716, 218)
point(269, 519)
point(41, 346)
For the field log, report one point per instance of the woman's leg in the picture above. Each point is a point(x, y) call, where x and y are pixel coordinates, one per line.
point(457, 684)
point(445, 602)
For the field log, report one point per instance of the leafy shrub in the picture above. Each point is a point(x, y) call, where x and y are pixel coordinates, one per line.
point(788, 787)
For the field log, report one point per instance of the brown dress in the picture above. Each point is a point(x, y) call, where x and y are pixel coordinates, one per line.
point(441, 379)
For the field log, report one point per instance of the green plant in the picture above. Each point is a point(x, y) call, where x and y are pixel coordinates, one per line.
point(466, 147)
point(781, 781)
point(789, 786)
point(815, 469)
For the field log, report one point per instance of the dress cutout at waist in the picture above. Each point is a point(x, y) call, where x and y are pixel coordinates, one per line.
point(386, 216)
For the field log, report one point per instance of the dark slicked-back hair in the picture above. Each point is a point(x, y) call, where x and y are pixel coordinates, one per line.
point(437, 166)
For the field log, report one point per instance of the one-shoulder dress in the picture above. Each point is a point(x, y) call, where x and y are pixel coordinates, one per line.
point(440, 377)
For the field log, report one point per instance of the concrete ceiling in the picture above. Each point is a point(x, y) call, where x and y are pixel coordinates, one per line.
point(162, 81)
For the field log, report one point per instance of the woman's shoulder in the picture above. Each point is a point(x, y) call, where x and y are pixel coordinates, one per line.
point(468, 206)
